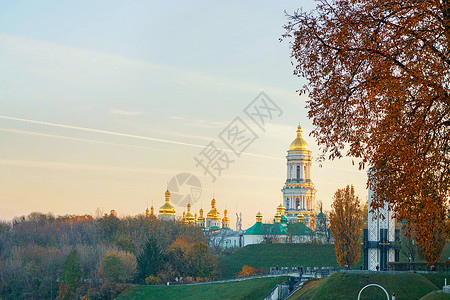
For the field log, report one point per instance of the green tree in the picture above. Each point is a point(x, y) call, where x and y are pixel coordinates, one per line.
point(127, 245)
point(203, 262)
point(365, 214)
point(345, 224)
point(405, 243)
point(150, 260)
point(112, 270)
point(71, 273)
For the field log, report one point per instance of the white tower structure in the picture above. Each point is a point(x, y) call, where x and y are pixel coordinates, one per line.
point(379, 246)
point(298, 191)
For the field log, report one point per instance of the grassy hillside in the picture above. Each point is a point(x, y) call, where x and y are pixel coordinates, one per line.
point(247, 289)
point(347, 286)
point(436, 295)
point(288, 255)
point(270, 255)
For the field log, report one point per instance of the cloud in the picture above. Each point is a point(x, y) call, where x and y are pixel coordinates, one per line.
point(114, 111)
point(17, 45)
point(176, 117)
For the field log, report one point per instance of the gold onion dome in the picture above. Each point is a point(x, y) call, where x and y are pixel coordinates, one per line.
point(280, 209)
point(225, 216)
point(167, 209)
point(213, 213)
point(299, 143)
point(259, 217)
point(189, 217)
point(277, 218)
point(201, 218)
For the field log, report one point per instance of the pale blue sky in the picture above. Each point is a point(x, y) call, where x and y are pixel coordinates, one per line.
point(125, 94)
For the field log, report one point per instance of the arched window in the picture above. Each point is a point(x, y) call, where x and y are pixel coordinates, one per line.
point(287, 203)
point(297, 203)
point(298, 172)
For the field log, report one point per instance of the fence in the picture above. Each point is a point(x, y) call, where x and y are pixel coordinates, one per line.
point(313, 271)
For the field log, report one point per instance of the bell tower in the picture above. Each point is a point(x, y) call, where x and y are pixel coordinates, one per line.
point(298, 191)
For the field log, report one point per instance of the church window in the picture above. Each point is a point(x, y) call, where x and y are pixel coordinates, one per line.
point(298, 172)
point(297, 203)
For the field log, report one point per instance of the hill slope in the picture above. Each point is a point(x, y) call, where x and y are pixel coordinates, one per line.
point(347, 286)
point(270, 255)
point(246, 289)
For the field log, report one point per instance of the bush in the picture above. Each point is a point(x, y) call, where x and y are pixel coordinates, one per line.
point(152, 280)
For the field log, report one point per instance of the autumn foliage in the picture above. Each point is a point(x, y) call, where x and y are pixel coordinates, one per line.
point(247, 271)
point(378, 75)
point(346, 226)
point(43, 256)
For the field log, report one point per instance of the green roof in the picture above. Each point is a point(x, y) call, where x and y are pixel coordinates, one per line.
point(260, 229)
point(213, 228)
point(298, 229)
point(321, 215)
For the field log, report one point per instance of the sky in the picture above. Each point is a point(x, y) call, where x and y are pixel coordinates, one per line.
point(103, 103)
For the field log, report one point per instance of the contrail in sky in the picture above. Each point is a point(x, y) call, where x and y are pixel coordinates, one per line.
point(129, 136)
point(102, 131)
point(74, 139)
point(125, 135)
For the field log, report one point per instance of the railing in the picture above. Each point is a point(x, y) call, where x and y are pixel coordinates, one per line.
point(308, 271)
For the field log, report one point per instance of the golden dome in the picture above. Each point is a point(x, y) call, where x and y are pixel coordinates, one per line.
point(147, 213)
point(225, 216)
point(259, 217)
point(213, 213)
point(167, 209)
point(201, 218)
point(183, 219)
point(280, 209)
point(299, 143)
point(300, 217)
point(277, 218)
point(189, 217)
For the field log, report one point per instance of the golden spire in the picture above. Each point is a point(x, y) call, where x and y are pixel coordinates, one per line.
point(201, 218)
point(167, 209)
point(280, 209)
point(189, 217)
point(225, 220)
point(277, 218)
point(259, 217)
point(147, 213)
point(213, 213)
point(299, 143)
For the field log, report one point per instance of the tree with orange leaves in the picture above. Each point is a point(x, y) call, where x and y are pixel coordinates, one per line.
point(247, 271)
point(378, 75)
point(346, 226)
